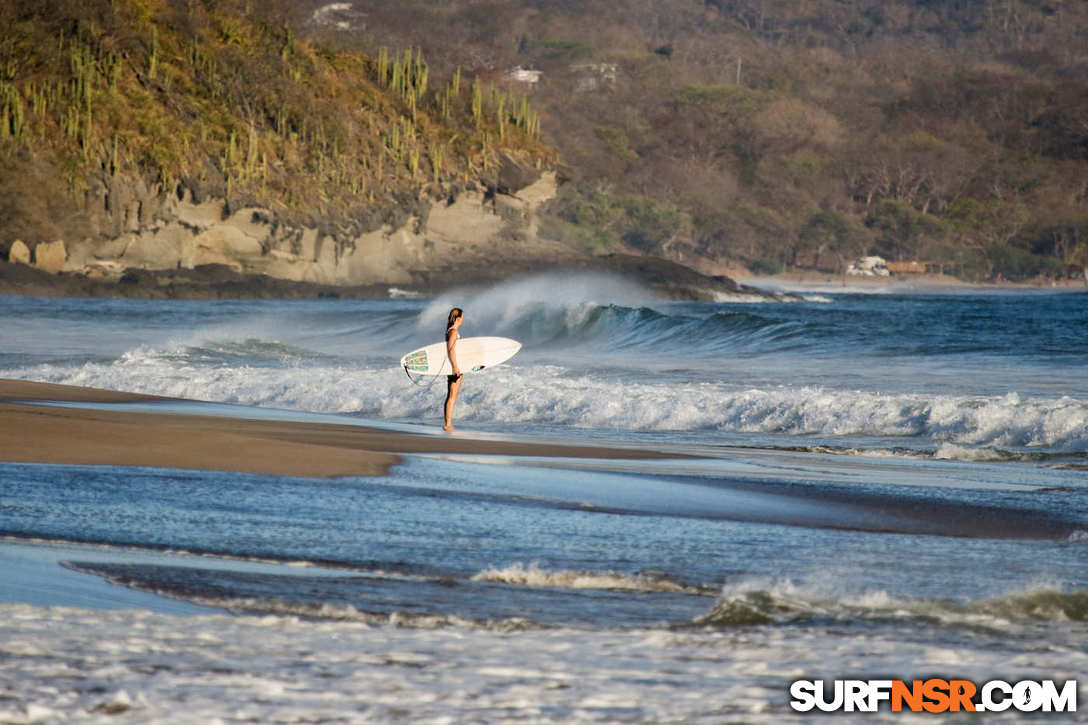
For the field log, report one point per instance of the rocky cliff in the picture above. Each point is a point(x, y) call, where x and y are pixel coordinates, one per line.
point(496, 226)
point(175, 245)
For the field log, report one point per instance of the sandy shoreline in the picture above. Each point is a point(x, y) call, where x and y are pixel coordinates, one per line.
point(32, 433)
point(805, 280)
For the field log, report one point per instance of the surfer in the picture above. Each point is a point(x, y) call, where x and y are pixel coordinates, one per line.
point(453, 382)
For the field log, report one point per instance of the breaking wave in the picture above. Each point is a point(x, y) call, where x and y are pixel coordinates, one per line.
point(783, 602)
point(533, 576)
point(958, 427)
point(269, 594)
point(601, 353)
point(753, 602)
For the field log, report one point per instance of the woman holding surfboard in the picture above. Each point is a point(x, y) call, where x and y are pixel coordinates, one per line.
point(471, 354)
point(453, 382)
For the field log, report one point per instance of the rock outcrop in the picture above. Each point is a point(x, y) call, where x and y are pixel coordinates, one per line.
point(478, 227)
point(182, 245)
point(19, 252)
point(50, 256)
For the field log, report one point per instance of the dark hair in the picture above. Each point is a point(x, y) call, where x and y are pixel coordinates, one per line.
point(455, 313)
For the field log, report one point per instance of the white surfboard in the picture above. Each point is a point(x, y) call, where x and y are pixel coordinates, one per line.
point(473, 354)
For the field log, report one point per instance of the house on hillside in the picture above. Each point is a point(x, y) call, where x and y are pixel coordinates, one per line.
point(523, 75)
point(338, 16)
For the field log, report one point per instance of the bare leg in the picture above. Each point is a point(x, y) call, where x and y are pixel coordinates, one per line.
point(451, 397)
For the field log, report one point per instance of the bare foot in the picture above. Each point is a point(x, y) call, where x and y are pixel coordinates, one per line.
point(448, 427)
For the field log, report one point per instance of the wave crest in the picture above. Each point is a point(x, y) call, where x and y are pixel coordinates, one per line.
point(533, 576)
point(1042, 604)
point(960, 427)
point(783, 602)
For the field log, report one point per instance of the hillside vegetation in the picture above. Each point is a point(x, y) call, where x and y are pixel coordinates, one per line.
point(225, 100)
point(793, 133)
point(712, 132)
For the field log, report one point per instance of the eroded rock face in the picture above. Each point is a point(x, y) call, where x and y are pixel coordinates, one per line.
point(184, 234)
point(50, 256)
point(513, 176)
point(19, 252)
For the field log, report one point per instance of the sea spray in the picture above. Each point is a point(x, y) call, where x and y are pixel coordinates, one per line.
point(503, 304)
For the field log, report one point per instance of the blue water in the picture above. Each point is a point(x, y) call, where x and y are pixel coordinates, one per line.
point(907, 467)
point(998, 373)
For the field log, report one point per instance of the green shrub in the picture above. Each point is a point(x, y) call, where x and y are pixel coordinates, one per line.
point(591, 239)
point(765, 266)
point(651, 224)
point(1016, 264)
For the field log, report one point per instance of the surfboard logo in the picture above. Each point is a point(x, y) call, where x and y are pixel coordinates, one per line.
point(416, 361)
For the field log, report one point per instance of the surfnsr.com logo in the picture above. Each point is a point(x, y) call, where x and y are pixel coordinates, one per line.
point(933, 695)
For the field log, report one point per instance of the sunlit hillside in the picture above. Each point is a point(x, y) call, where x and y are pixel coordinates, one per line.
point(226, 100)
point(790, 133)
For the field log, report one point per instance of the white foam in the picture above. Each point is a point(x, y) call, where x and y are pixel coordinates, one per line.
point(965, 426)
point(742, 298)
point(289, 669)
point(534, 576)
point(737, 298)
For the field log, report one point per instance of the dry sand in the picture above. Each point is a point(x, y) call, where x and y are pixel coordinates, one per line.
point(31, 433)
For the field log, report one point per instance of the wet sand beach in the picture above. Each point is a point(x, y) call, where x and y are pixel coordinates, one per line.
point(31, 432)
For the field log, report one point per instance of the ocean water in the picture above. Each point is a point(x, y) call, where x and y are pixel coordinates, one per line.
point(890, 484)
